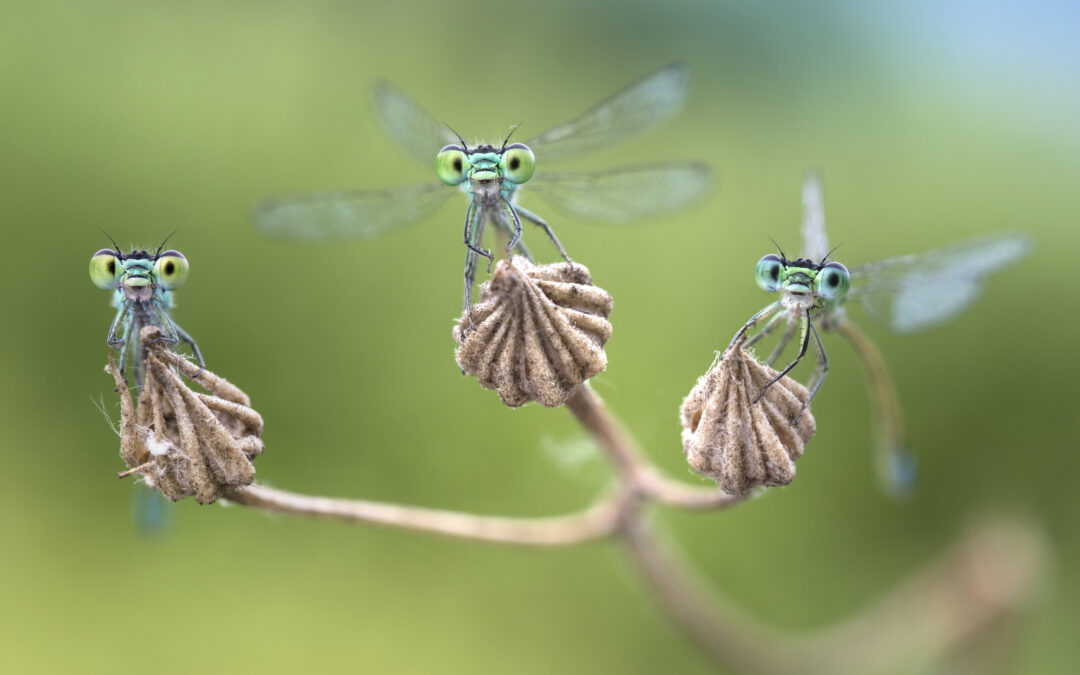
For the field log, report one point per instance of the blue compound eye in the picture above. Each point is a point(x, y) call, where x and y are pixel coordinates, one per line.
point(767, 272)
point(833, 281)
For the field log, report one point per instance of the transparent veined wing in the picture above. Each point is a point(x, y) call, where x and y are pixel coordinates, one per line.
point(630, 110)
point(406, 123)
point(919, 291)
point(343, 215)
point(628, 193)
point(814, 240)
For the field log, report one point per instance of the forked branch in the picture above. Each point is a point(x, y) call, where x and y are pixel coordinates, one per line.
point(986, 579)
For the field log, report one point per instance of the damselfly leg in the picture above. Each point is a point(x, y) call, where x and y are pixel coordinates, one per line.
point(540, 222)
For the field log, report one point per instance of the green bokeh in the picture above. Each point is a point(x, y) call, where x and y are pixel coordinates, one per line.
point(142, 118)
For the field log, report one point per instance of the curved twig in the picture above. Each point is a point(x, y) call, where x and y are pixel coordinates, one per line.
point(632, 463)
point(595, 522)
point(987, 578)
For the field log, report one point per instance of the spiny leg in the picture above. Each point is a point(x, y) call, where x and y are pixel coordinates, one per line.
point(474, 232)
point(470, 273)
point(768, 310)
point(165, 324)
point(111, 338)
point(522, 249)
point(524, 252)
point(516, 235)
point(778, 350)
point(737, 338)
point(186, 337)
point(764, 332)
point(127, 346)
point(817, 378)
point(804, 343)
point(537, 220)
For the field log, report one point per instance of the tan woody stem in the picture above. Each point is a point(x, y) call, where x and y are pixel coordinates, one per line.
point(594, 522)
point(986, 579)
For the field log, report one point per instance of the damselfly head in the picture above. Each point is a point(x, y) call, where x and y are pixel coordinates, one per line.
point(485, 164)
point(138, 272)
point(802, 277)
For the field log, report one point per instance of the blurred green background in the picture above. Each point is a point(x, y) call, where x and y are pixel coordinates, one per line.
point(928, 123)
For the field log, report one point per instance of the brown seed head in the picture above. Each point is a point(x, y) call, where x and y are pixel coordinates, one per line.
point(742, 444)
point(182, 442)
point(540, 332)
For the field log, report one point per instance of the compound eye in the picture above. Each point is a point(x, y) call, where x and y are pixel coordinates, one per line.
point(452, 164)
point(833, 281)
point(518, 162)
point(171, 270)
point(105, 269)
point(767, 273)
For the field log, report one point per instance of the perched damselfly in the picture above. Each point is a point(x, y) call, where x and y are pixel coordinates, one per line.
point(908, 294)
point(490, 175)
point(142, 285)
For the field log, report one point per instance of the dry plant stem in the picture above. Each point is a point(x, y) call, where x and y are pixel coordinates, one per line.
point(631, 463)
point(687, 598)
point(595, 522)
point(989, 576)
point(637, 480)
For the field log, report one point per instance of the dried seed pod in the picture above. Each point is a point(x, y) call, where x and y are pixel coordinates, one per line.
point(739, 443)
point(539, 332)
point(182, 442)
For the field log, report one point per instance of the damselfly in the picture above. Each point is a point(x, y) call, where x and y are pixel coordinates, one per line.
point(142, 285)
point(490, 175)
point(908, 294)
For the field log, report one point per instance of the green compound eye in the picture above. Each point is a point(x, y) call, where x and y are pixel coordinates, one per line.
point(171, 270)
point(767, 273)
point(104, 269)
point(451, 164)
point(518, 162)
point(833, 281)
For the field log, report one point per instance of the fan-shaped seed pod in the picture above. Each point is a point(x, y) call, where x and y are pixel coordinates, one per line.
point(539, 332)
point(182, 442)
point(739, 443)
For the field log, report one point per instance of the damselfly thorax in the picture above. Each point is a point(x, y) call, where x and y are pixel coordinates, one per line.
point(142, 285)
point(798, 303)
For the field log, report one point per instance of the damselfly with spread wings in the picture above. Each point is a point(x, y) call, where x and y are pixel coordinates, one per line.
point(490, 176)
point(908, 294)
